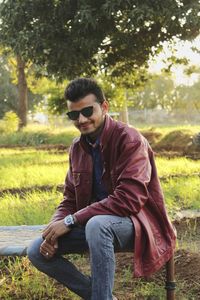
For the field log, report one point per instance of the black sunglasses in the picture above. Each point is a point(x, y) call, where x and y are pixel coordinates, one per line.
point(86, 112)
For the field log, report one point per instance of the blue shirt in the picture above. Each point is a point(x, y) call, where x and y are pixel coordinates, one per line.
point(99, 190)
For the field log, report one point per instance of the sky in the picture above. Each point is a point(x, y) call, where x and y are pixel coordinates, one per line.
point(182, 49)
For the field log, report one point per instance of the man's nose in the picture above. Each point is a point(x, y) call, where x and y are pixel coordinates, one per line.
point(82, 119)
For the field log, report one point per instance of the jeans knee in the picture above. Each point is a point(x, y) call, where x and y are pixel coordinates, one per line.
point(95, 230)
point(33, 251)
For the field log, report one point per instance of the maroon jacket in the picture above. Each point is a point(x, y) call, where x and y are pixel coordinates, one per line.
point(130, 176)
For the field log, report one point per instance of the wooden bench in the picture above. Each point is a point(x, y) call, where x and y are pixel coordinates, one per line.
point(14, 241)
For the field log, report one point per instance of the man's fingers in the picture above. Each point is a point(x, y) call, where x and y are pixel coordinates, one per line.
point(47, 250)
point(47, 255)
point(49, 239)
point(46, 232)
point(50, 236)
point(54, 230)
point(53, 239)
point(56, 244)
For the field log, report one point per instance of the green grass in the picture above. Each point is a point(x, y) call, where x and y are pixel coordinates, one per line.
point(30, 168)
point(37, 207)
point(31, 209)
point(25, 282)
point(182, 193)
point(21, 281)
point(25, 157)
point(34, 136)
point(35, 175)
point(181, 166)
point(165, 129)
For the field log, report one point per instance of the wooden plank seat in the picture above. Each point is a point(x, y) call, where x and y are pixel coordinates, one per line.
point(14, 240)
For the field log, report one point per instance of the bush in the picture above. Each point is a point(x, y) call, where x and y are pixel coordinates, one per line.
point(9, 123)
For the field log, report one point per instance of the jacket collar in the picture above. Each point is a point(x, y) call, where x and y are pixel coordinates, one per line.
point(108, 129)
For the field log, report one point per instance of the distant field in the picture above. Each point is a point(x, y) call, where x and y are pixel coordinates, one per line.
point(26, 175)
point(36, 135)
point(168, 128)
point(40, 135)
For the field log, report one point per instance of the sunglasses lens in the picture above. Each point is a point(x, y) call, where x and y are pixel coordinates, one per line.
point(73, 115)
point(87, 111)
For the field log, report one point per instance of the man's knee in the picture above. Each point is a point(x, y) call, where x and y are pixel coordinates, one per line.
point(96, 228)
point(33, 251)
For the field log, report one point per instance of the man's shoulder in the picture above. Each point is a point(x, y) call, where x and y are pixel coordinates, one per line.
point(76, 140)
point(128, 132)
point(75, 143)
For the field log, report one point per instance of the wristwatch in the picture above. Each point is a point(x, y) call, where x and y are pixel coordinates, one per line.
point(69, 221)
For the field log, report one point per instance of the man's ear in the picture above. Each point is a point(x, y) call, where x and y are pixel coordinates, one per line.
point(105, 107)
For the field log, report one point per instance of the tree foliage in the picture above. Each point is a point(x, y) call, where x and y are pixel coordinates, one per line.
point(161, 92)
point(158, 92)
point(80, 37)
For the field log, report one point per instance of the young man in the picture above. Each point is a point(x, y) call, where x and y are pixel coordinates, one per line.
point(112, 201)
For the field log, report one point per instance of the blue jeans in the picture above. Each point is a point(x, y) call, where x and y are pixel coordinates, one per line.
point(102, 236)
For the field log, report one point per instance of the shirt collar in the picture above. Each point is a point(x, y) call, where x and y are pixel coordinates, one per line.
point(95, 144)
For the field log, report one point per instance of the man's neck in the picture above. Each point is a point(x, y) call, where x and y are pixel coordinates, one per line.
point(94, 136)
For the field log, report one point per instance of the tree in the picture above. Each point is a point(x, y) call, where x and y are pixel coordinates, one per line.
point(23, 92)
point(189, 97)
point(8, 91)
point(159, 91)
point(76, 37)
point(70, 38)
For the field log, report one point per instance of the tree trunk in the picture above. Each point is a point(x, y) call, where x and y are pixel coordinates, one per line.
point(123, 115)
point(22, 92)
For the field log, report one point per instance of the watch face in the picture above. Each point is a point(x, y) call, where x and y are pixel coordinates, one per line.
point(69, 221)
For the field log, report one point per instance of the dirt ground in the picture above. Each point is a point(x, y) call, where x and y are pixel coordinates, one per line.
point(187, 260)
point(187, 273)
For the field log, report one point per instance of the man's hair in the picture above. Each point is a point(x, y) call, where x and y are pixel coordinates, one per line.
point(81, 87)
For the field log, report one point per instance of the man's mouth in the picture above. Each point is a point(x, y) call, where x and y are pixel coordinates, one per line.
point(84, 126)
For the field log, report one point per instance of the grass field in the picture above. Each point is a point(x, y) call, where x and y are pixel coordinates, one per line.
point(36, 170)
point(29, 194)
point(39, 135)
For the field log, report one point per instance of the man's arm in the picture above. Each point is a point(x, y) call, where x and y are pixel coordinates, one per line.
point(68, 205)
point(57, 226)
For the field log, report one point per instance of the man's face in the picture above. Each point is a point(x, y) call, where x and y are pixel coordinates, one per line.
point(89, 125)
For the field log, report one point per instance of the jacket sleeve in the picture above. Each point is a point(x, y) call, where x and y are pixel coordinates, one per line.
point(131, 178)
point(68, 205)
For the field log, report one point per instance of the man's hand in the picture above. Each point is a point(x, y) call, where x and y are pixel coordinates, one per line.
point(54, 230)
point(48, 250)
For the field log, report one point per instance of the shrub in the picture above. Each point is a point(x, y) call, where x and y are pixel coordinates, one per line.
point(9, 123)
